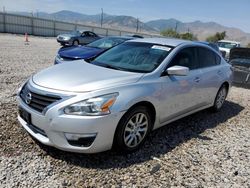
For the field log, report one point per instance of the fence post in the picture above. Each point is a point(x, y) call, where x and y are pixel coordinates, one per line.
point(54, 26)
point(32, 25)
point(4, 22)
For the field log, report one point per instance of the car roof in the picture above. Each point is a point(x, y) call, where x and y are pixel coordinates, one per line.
point(120, 37)
point(163, 41)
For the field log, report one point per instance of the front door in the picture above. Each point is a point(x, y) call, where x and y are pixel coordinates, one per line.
point(179, 93)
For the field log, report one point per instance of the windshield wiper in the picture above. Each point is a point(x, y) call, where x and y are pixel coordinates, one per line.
point(113, 67)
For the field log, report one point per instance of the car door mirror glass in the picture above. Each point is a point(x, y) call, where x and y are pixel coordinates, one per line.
point(178, 70)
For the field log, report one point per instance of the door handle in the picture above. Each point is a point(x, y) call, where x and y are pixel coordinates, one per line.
point(197, 79)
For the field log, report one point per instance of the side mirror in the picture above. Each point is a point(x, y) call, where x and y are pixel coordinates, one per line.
point(178, 71)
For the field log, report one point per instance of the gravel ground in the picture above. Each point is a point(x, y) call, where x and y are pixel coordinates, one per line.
point(202, 150)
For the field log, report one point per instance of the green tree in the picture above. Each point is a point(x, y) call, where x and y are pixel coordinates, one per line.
point(188, 36)
point(218, 36)
point(173, 34)
point(170, 33)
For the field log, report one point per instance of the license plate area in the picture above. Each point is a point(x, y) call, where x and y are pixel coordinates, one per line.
point(26, 116)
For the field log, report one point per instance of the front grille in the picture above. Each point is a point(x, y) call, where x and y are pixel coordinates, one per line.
point(37, 101)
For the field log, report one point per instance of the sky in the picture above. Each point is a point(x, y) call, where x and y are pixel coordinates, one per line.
point(232, 13)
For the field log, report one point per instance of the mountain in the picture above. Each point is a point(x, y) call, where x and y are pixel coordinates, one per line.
point(119, 22)
point(201, 29)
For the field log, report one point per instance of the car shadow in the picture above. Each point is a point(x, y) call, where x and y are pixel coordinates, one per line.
point(159, 142)
point(242, 85)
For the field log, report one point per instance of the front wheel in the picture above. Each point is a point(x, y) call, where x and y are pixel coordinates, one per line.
point(75, 43)
point(132, 129)
point(220, 98)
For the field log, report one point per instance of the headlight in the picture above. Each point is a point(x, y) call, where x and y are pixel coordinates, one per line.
point(66, 38)
point(92, 107)
point(59, 57)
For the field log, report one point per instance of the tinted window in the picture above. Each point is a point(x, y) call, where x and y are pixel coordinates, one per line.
point(207, 58)
point(186, 58)
point(106, 43)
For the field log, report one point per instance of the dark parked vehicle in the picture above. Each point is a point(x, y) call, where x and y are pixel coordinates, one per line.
point(240, 61)
point(77, 37)
point(89, 51)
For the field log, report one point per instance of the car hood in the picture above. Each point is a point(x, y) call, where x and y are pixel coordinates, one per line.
point(79, 52)
point(80, 76)
point(240, 53)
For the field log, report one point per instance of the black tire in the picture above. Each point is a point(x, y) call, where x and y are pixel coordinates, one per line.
point(119, 143)
point(75, 43)
point(220, 98)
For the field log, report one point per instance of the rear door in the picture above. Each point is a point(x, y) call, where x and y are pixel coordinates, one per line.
point(212, 74)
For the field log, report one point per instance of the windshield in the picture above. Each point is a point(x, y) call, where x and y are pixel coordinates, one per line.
point(227, 45)
point(106, 43)
point(134, 57)
point(75, 33)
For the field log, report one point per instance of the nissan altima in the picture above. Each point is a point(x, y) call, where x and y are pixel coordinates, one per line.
point(115, 100)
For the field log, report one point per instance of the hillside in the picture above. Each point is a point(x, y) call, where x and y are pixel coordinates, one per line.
point(118, 22)
point(201, 29)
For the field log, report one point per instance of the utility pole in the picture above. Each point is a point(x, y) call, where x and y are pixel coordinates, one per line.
point(176, 26)
point(101, 17)
point(137, 25)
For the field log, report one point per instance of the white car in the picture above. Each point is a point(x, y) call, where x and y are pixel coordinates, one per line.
point(226, 46)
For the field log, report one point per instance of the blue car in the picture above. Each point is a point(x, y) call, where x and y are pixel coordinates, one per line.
point(90, 50)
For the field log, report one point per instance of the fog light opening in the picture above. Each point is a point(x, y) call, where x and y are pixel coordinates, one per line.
point(80, 140)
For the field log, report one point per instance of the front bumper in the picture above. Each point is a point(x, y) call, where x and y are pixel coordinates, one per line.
point(52, 128)
point(64, 42)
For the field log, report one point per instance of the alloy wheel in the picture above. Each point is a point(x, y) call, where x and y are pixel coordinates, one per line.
point(135, 130)
point(221, 97)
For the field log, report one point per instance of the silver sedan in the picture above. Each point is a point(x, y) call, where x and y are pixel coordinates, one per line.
point(115, 100)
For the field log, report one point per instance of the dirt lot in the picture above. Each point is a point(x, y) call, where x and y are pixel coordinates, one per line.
point(202, 150)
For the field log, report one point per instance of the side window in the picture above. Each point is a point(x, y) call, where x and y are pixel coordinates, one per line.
point(92, 34)
point(207, 58)
point(186, 58)
point(86, 34)
point(217, 59)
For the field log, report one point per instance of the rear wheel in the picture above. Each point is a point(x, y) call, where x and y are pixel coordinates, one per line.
point(132, 129)
point(220, 98)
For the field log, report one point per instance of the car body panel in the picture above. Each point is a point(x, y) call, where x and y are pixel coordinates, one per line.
point(81, 77)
